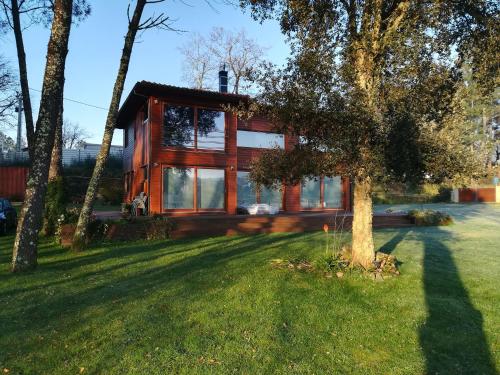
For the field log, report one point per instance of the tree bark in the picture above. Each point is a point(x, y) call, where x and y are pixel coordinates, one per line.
point(23, 78)
point(363, 252)
point(55, 169)
point(24, 255)
point(80, 237)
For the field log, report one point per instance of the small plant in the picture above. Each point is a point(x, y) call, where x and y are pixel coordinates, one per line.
point(430, 218)
point(159, 228)
point(300, 264)
point(97, 230)
point(126, 210)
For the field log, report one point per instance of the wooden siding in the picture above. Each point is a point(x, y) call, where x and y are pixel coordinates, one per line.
point(244, 224)
point(150, 154)
point(13, 182)
point(486, 195)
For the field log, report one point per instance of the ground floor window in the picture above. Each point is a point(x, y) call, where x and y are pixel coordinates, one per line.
point(248, 194)
point(193, 189)
point(321, 192)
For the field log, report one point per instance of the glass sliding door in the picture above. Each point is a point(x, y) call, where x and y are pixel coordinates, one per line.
point(310, 194)
point(246, 191)
point(332, 192)
point(210, 188)
point(178, 188)
point(271, 196)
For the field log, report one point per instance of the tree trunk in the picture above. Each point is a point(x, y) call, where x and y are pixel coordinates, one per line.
point(80, 237)
point(363, 252)
point(23, 78)
point(55, 169)
point(24, 255)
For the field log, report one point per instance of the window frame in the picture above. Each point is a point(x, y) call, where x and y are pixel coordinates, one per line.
point(195, 208)
point(258, 192)
point(195, 107)
point(322, 196)
point(260, 132)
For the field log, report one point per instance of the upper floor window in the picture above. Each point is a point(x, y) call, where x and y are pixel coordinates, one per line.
point(260, 139)
point(178, 126)
point(211, 127)
point(185, 126)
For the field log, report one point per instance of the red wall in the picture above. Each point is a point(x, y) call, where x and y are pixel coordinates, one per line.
point(149, 137)
point(487, 195)
point(13, 182)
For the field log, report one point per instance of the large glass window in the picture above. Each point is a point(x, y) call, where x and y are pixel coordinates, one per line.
point(323, 192)
point(211, 188)
point(246, 190)
point(178, 126)
point(248, 194)
point(332, 192)
point(259, 139)
point(310, 194)
point(211, 129)
point(178, 188)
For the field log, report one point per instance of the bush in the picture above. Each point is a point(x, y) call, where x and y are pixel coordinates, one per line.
point(111, 192)
point(159, 228)
point(430, 218)
point(55, 205)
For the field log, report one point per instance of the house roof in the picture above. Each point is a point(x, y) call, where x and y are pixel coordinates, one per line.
point(143, 90)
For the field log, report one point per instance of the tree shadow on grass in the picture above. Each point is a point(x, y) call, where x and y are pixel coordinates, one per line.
point(452, 339)
point(391, 245)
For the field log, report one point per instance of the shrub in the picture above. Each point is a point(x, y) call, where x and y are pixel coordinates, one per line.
point(159, 228)
point(430, 218)
point(55, 205)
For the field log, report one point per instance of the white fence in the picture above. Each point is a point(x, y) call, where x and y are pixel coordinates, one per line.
point(89, 151)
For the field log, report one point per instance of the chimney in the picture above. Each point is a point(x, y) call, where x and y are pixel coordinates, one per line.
point(223, 79)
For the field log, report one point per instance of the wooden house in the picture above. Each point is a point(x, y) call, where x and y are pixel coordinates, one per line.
point(190, 157)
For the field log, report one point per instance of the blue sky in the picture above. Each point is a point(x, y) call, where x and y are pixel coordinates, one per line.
point(95, 48)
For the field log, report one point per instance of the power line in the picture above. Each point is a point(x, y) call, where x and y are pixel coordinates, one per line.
point(76, 101)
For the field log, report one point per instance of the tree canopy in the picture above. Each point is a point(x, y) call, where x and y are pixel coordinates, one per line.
point(371, 90)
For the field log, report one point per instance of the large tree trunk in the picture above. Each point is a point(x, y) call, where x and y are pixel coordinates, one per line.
point(80, 237)
point(23, 78)
point(24, 255)
point(363, 252)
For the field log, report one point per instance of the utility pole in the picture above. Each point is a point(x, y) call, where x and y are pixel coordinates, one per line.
point(19, 110)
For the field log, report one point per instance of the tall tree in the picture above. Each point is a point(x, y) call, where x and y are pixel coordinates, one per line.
point(38, 12)
point(7, 94)
point(364, 71)
point(203, 58)
point(73, 136)
point(30, 219)
point(134, 25)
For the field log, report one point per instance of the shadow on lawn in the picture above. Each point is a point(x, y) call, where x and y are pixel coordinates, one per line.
point(452, 339)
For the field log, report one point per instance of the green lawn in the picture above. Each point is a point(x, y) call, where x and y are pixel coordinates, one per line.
point(217, 306)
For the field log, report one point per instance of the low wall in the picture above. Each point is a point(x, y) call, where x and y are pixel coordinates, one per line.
point(227, 225)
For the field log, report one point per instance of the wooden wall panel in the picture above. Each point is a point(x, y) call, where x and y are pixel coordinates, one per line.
point(487, 195)
point(13, 182)
point(149, 152)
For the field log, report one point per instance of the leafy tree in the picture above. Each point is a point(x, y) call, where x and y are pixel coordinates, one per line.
point(24, 255)
point(371, 89)
point(203, 58)
point(134, 25)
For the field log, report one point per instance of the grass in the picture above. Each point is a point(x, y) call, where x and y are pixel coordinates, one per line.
point(217, 306)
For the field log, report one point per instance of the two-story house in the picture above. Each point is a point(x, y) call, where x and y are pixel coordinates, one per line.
point(189, 156)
